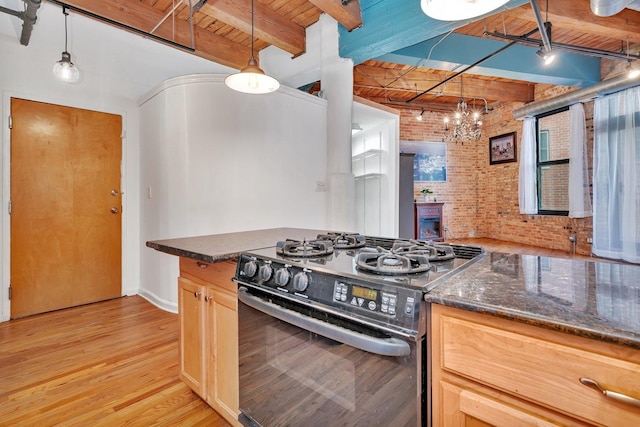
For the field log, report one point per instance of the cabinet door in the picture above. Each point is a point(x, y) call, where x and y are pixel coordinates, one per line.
point(191, 329)
point(466, 407)
point(222, 319)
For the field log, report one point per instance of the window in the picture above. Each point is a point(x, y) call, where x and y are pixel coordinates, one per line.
point(543, 145)
point(553, 162)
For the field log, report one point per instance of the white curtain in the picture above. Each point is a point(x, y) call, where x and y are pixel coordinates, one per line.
point(527, 190)
point(616, 176)
point(579, 197)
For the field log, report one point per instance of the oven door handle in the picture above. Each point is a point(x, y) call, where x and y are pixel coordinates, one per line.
point(382, 346)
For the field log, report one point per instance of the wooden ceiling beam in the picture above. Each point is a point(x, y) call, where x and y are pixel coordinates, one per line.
point(576, 15)
point(418, 81)
point(268, 25)
point(144, 18)
point(349, 15)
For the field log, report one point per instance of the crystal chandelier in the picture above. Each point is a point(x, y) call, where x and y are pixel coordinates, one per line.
point(465, 124)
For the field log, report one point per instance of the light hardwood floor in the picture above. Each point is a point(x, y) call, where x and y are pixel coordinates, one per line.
point(112, 363)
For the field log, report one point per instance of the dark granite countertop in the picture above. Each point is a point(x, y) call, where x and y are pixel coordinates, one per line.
point(221, 247)
point(598, 300)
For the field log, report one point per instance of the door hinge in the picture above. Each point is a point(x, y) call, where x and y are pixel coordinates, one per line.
point(10, 123)
point(9, 207)
point(10, 292)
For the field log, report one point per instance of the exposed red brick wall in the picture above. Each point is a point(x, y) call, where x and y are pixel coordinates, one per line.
point(459, 193)
point(481, 200)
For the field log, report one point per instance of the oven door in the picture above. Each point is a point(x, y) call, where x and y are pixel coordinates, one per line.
point(292, 374)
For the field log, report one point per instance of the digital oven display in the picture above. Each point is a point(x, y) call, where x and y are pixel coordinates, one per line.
point(371, 294)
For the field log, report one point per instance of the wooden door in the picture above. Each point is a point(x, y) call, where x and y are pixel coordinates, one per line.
point(65, 207)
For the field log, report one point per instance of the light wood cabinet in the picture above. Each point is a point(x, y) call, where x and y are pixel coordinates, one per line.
point(208, 316)
point(491, 371)
point(191, 330)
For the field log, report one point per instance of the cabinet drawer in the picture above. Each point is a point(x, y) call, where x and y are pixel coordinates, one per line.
point(219, 273)
point(544, 372)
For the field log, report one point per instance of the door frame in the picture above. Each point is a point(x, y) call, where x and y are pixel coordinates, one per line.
point(5, 188)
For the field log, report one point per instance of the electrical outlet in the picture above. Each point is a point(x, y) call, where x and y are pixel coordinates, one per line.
point(589, 240)
point(572, 238)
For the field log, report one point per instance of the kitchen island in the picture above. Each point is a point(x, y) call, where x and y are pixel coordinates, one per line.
point(512, 336)
point(227, 246)
point(524, 340)
point(208, 309)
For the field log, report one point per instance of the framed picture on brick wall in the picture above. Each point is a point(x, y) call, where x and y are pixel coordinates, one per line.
point(502, 148)
point(429, 162)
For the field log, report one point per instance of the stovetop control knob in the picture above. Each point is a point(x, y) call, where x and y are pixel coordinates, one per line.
point(250, 268)
point(265, 272)
point(300, 281)
point(282, 276)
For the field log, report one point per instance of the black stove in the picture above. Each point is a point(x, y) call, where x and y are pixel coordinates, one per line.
point(374, 279)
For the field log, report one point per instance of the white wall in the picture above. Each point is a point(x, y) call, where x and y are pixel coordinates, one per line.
point(98, 50)
point(218, 161)
point(376, 165)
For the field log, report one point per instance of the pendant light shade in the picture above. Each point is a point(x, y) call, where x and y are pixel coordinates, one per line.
point(457, 10)
point(251, 79)
point(64, 69)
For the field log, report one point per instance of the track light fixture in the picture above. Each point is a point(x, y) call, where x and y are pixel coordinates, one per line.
point(64, 69)
point(547, 57)
point(633, 70)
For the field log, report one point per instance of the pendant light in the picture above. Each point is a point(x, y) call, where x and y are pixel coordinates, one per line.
point(457, 10)
point(64, 69)
point(251, 79)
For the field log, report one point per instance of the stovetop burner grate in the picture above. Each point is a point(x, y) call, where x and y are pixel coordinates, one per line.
point(343, 240)
point(433, 251)
point(304, 249)
point(388, 262)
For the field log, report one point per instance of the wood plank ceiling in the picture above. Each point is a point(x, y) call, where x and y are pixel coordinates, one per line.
point(222, 33)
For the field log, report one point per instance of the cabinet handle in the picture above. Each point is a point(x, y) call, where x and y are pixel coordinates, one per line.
point(207, 298)
point(197, 294)
point(202, 264)
point(618, 397)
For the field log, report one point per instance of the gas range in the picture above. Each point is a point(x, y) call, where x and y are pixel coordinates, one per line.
point(371, 279)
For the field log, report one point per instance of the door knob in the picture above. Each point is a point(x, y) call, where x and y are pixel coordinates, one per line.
point(114, 192)
point(114, 210)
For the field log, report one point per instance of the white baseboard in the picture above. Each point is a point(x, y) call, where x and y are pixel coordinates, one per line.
point(163, 304)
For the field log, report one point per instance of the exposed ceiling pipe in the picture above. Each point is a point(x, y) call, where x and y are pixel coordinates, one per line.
point(603, 88)
point(11, 11)
point(600, 53)
point(467, 68)
point(608, 7)
point(29, 20)
point(546, 40)
point(28, 17)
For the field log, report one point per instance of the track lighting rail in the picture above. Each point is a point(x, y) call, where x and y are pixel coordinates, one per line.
point(565, 47)
point(123, 26)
